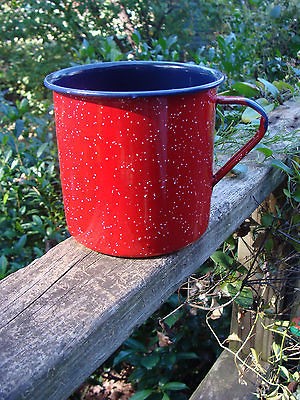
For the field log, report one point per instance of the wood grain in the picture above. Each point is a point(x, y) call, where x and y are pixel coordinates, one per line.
point(67, 312)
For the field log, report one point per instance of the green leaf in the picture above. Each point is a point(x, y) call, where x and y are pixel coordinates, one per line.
point(136, 37)
point(5, 198)
point(7, 155)
point(137, 374)
point(169, 359)
point(41, 150)
point(245, 298)
point(281, 165)
point(37, 220)
point(135, 345)
point(175, 386)
point(38, 252)
point(222, 259)
point(287, 193)
point(285, 372)
point(141, 394)
point(23, 106)
point(150, 361)
point(276, 350)
point(264, 150)
point(122, 356)
point(296, 195)
point(20, 243)
point(284, 86)
point(3, 265)
point(231, 242)
point(246, 89)
point(19, 127)
point(173, 318)
point(171, 40)
point(165, 397)
point(267, 220)
point(250, 115)
point(269, 87)
point(187, 356)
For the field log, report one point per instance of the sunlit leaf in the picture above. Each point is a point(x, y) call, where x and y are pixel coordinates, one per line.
point(269, 87)
point(256, 360)
point(284, 371)
point(276, 350)
point(264, 150)
point(254, 355)
point(284, 86)
point(233, 337)
point(5, 198)
point(250, 115)
point(246, 89)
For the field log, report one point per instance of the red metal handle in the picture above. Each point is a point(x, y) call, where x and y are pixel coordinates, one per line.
point(263, 126)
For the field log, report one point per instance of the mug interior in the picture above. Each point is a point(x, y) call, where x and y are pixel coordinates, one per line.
point(133, 78)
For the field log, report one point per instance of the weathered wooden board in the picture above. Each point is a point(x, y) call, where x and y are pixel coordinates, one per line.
point(65, 313)
point(222, 382)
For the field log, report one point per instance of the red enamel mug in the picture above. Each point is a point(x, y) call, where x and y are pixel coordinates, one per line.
point(135, 142)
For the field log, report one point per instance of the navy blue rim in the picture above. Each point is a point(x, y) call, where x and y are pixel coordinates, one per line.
point(50, 79)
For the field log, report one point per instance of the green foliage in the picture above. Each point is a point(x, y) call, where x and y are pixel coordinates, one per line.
point(256, 43)
point(156, 353)
point(31, 215)
point(248, 40)
point(286, 222)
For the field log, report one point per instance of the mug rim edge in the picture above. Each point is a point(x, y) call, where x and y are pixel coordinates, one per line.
point(48, 81)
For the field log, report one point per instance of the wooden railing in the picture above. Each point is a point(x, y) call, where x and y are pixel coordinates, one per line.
point(68, 311)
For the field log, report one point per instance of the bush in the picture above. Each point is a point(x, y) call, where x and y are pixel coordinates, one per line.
point(31, 214)
point(248, 39)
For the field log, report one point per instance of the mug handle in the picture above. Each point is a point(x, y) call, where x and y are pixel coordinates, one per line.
point(263, 126)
